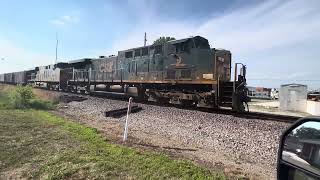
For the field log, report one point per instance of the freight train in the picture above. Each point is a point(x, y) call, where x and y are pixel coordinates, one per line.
point(185, 71)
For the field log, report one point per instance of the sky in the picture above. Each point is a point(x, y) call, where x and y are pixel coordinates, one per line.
point(278, 40)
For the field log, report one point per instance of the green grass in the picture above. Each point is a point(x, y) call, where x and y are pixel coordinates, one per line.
point(4, 100)
point(37, 144)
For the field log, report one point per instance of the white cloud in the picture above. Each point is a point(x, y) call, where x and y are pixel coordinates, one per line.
point(64, 20)
point(261, 35)
point(247, 32)
point(17, 58)
point(264, 27)
point(268, 25)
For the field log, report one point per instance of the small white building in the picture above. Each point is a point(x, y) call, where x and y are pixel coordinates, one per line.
point(293, 97)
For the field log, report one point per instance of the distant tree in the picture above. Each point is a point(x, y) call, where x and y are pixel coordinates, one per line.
point(163, 40)
point(307, 133)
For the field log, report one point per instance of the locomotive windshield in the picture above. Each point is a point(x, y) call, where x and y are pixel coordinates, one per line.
point(183, 46)
point(201, 42)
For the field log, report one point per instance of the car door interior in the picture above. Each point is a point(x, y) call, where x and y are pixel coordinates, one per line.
point(299, 151)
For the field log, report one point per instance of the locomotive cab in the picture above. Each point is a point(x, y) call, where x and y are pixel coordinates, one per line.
point(189, 59)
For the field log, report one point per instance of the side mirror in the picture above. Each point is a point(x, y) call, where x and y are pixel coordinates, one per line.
point(299, 151)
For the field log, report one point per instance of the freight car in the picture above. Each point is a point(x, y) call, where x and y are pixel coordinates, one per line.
point(9, 78)
point(20, 77)
point(1, 78)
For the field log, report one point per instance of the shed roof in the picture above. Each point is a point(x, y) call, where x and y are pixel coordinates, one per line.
point(293, 85)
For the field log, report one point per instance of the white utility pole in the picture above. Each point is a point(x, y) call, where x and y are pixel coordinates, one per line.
point(56, 61)
point(145, 39)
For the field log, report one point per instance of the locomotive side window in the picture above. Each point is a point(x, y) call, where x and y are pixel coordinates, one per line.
point(145, 51)
point(137, 52)
point(128, 54)
point(158, 49)
point(185, 47)
point(133, 66)
point(136, 68)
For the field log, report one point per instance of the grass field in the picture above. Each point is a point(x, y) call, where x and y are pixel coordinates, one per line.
point(37, 144)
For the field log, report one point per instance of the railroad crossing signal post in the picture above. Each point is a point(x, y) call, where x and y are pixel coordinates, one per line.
point(125, 134)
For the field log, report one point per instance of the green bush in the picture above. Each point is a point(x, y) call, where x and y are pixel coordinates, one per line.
point(40, 104)
point(21, 96)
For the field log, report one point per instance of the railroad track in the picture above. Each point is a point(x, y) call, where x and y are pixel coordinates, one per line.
point(247, 115)
point(262, 116)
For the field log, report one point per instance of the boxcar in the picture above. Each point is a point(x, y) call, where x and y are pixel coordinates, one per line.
point(1, 78)
point(9, 78)
point(20, 77)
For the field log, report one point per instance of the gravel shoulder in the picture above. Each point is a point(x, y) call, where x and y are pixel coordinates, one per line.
point(243, 147)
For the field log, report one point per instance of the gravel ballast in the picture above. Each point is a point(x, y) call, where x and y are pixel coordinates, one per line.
point(245, 145)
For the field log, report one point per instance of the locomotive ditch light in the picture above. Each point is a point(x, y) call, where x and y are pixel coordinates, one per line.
point(299, 151)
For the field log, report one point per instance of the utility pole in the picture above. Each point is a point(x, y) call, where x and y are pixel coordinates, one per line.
point(145, 39)
point(56, 48)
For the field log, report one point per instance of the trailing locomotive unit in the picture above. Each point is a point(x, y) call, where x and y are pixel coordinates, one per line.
point(53, 77)
point(185, 71)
